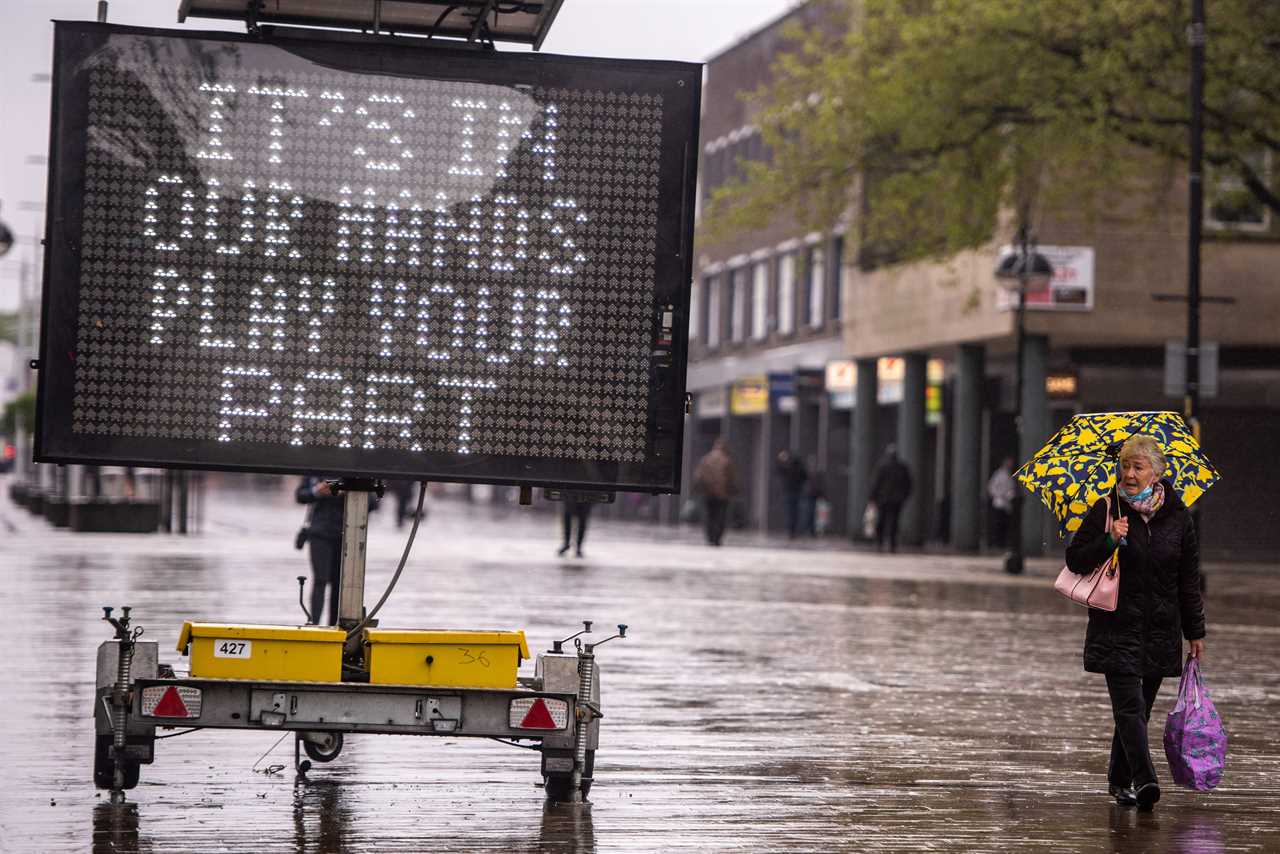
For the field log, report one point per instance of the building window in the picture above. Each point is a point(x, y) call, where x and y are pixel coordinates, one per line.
point(816, 273)
point(695, 294)
point(738, 304)
point(713, 311)
point(1229, 205)
point(759, 300)
point(787, 294)
point(837, 276)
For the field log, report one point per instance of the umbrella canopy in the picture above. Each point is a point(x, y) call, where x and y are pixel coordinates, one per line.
point(1079, 464)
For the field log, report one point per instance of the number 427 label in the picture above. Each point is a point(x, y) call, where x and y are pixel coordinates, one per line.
point(232, 648)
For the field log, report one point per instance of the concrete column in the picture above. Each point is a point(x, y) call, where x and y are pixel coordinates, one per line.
point(806, 424)
point(775, 436)
point(911, 449)
point(967, 483)
point(1035, 432)
point(833, 456)
point(863, 450)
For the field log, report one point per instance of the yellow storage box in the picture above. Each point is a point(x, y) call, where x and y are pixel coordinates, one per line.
point(444, 658)
point(285, 653)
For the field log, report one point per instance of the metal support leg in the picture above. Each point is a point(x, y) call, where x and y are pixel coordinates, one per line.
point(302, 766)
point(586, 681)
point(355, 534)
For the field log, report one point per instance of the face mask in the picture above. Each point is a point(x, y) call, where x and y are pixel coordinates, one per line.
point(1141, 496)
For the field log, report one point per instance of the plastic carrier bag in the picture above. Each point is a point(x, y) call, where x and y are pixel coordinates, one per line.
point(1195, 741)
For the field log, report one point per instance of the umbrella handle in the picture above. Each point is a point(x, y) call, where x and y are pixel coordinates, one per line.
point(1124, 541)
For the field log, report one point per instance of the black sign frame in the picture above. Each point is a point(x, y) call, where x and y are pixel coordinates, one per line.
point(659, 472)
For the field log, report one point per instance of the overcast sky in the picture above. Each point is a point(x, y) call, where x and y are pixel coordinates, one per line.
point(689, 30)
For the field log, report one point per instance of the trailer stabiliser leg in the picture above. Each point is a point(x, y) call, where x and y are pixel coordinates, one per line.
point(120, 695)
point(302, 766)
point(586, 710)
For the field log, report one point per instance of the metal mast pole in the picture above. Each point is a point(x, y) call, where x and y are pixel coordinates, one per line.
point(1013, 560)
point(1195, 215)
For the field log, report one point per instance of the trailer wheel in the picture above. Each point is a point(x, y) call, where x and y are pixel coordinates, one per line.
point(326, 752)
point(559, 787)
point(104, 767)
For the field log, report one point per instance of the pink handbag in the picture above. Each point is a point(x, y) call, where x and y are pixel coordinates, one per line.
point(1099, 589)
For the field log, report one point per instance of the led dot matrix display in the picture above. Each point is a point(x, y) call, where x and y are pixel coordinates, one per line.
point(270, 256)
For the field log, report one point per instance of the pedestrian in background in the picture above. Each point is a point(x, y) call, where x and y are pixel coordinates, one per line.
point(1159, 604)
point(573, 509)
point(403, 491)
point(324, 539)
point(792, 473)
point(716, 480)
point(1001, 489)
point(890, 489)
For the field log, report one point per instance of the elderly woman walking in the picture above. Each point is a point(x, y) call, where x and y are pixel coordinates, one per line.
point(1140, 643)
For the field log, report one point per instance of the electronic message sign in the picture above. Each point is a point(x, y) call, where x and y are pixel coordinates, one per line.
point(366, 257)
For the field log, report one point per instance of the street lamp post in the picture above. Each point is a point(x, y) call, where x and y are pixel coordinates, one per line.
point(1016, 271)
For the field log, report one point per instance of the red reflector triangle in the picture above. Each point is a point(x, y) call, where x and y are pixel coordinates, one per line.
point(171, 705)
point(538, 717)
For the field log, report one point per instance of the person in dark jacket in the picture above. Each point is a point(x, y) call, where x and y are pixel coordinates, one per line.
point(1140, 643)
point(791, 472)
point(324, 538)
point(890, 489)
point(570, 510)
point(716, 479)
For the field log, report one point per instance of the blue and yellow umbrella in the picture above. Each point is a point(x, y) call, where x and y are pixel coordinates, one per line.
point(1079, 464)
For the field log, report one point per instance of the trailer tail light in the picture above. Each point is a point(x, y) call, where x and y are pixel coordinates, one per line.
point(171, 701)
point(538, 713)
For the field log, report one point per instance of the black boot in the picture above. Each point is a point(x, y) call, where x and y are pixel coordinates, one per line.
point(1147, 795)
point(1125, 795)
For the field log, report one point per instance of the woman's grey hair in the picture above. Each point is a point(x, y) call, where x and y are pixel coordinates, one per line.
point(1145, 446)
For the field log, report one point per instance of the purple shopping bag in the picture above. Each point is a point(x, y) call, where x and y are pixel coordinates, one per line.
point(1195, 741)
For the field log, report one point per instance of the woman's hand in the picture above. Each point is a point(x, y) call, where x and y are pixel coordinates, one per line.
point(322, 489)
point(1197, 649)
point(1119, 528)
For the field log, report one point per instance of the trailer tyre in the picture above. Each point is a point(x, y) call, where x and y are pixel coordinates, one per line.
point(559, 787)
point(324, 752)
point(104, 766)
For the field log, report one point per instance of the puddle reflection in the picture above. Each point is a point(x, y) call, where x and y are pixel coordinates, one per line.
point(321, 816)
point(115, 829)
point(567, 828)
point(1168, 831)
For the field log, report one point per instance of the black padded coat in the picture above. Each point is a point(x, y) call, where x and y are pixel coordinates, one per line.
point(1159, 601)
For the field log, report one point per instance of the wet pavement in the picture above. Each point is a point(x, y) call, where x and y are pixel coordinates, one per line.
point(767, 698)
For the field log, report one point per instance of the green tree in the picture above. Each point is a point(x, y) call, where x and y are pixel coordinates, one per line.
point(924, 118)
point(9, 327)
point(20, 410)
